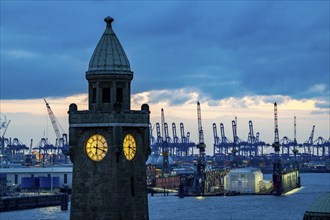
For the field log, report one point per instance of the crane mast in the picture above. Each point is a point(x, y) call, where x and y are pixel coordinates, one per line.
point(277, 167)
point(163, 123)
point(199, 180)
point(165, 153)
point(200, 128)
point(295, 150)
point(235, 143)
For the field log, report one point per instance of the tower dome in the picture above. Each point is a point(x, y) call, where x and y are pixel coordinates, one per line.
point(109, 56)
point(109, 74)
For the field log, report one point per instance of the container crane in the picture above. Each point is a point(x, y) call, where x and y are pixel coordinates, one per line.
point(157, 145)
point(253, 151)
point(216, 144)
point(225, 142)
point(4, 125)
point(168, 139)
point(309, 144)
point(176, 142)
point(277, 167)
point(188, 146)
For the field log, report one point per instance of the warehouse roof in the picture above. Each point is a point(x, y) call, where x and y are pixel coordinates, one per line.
point(320, 207)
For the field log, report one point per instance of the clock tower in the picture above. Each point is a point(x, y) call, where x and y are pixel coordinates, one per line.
point(109, 142)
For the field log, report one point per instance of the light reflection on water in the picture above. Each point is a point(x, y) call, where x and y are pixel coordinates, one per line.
point(292, 205)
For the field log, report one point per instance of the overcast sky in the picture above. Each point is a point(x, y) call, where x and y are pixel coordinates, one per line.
point(211, 51)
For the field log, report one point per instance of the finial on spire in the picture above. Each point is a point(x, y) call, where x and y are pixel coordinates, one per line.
point(108, 20)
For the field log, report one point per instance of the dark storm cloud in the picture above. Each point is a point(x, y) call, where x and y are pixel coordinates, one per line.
point(220, 49)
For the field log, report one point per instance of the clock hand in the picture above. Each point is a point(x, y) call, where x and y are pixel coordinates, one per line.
point(129, 146)
point(97, 148)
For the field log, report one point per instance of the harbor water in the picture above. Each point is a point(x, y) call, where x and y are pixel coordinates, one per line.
point(289, 206)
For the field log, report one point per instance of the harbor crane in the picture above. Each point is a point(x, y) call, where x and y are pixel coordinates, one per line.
point(295, 150)
point(277, 167)
point(216, 145)
point(5, 125)
point(165, 147)
point(199, 180)
point(176, 142)
point(187, 145)
point(309, 145)
point(61, 136)
point(235, 143)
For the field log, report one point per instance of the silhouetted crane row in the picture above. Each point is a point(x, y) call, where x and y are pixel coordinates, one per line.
point(15, 146)
point(224, 148)
point(180, 149)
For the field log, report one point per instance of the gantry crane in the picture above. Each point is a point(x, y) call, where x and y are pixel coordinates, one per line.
point(176, 143)
point(253, 145)
point(309, 145)
point(5, 125)
point(187, 145)
point(216, 145)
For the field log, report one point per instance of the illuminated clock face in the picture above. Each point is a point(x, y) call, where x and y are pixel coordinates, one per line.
point(129, 147)
point(96, 147)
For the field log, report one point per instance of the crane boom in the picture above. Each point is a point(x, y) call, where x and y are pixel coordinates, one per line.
point(6, 127)
point(53, 121)
point(311, 137)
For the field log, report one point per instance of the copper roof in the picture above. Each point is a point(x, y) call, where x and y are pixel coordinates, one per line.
point(109, 56)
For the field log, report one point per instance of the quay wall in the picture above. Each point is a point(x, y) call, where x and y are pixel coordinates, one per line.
point(11, 203)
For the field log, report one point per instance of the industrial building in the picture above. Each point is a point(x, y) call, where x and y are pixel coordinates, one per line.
point(246, 180)
point(15, 176)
